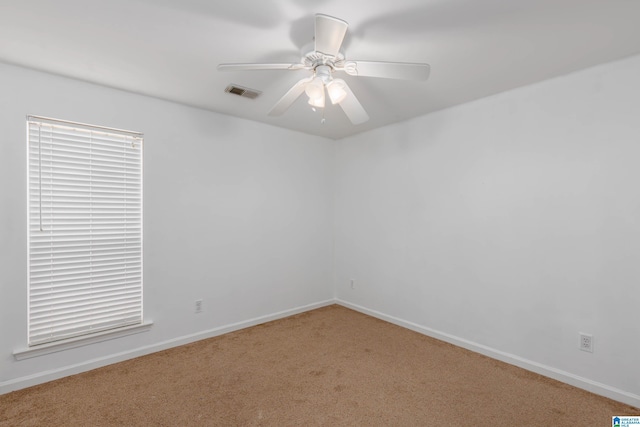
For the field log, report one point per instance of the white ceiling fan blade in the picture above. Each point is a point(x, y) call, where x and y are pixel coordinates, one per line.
point(251, 67)
point(329, 33)
point(285, 102)
point(352, 107)
point(388, 70)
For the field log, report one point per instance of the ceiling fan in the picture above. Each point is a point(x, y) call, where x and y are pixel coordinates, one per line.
point(324, 60)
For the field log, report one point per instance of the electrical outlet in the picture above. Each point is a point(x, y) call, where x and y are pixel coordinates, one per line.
point(586, 342)
point(198, 306)
point(353, 284)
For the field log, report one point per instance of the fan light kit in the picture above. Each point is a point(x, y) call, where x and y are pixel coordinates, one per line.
point(316, 87)
point(324, 60)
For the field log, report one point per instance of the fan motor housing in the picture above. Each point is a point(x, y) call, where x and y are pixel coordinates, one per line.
point(312, 59)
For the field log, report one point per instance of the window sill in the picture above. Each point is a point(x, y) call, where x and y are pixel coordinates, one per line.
point(54, 347)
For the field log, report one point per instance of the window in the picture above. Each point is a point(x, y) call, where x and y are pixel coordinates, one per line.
point(84, 229)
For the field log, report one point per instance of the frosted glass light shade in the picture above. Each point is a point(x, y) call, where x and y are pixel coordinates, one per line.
point(315, 88)
point(315, 92)
point(317, 102)
point(336, 90)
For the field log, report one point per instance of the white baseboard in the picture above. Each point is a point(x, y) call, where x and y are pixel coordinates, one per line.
point(46, 376)
point(547, 371)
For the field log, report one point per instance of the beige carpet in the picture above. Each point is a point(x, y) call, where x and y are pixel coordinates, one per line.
point(329, 367)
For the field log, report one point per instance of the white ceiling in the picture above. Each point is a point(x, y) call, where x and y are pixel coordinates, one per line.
point(169, 49)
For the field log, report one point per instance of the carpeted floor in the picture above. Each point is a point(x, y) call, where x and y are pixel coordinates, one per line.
point(327, 367)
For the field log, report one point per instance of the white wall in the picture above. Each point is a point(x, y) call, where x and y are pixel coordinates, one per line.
point(506, 225)
point(236, 213)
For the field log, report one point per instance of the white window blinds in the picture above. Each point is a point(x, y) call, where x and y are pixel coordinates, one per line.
point(85, 229)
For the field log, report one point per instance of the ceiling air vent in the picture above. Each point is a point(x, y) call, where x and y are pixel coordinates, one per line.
point(242, 91)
